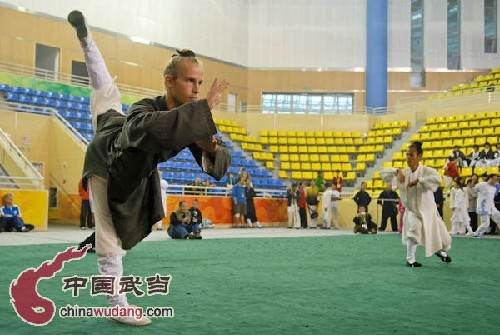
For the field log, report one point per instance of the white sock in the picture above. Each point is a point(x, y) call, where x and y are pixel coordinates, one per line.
point(411, 249)
point(113, 266)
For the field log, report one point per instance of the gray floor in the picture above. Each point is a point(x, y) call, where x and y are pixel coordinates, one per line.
point(70, 234)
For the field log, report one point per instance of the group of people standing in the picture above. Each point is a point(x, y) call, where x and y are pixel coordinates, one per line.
point(242, 195)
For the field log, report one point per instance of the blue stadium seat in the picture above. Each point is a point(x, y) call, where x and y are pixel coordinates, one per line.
point(4, 88)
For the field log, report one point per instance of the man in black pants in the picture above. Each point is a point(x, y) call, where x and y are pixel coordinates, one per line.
point(389, 200)
point(439, 200)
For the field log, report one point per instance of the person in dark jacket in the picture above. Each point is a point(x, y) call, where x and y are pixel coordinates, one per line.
point(389, 201)
point(194, 226)
point(121, 160)
point(252, 220)
point(362, 198)
point(439, 200)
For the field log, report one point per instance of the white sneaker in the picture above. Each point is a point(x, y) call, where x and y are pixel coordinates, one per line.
point(258, 225)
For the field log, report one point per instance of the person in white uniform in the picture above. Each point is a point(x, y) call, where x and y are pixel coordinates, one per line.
point(164, 187)
point(459, 204)
point(422, 224)
point(326, 206)
point(486, 209)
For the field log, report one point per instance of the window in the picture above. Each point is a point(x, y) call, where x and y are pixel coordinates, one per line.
point(453, 25)
point(490, 26)
point(79, 73)
point(46, 61)
point(307, 103)
point(417, 43)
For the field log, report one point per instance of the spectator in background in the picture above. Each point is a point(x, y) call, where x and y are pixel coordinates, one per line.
point(194, 226)
point(457, 153)
point(208, 183)
point(179, 222)
point(363, 222)
point(459, 204)
point(439, 200)
point(473, 156)
point(302, 204)
point(401, 210)
point(486, 155)
point(388, 199)
point(10, 216)
point(86, 216)
point(239, 196)
point(251, 214)
point(196, 190)
point(293, 196)
point(230, 179)
point(472, 200)
point(337, 179)
point(164, 187)
point(320, 181)
point(362, 198)
point(486, 209)
point(451, 172)
point(335, 206)
point(312, 204)
point(496, 156)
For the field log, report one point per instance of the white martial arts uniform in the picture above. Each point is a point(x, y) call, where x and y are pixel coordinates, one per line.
point(460, 219)
point(335, 209)
point(164, 187)
point(326, 208)
point(486, 207)
point(422, 224)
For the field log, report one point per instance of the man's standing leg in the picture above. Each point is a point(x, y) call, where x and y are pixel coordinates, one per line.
point(105, 96)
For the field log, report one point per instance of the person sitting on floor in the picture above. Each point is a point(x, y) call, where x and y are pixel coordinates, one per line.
point(180, 223)
point(363, 222)
point(196, 219)
point(10, 216)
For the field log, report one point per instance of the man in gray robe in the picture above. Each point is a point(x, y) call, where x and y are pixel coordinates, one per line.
point(121, 160)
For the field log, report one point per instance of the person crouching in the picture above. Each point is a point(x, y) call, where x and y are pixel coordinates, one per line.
point(180, 223)
point(363, 222)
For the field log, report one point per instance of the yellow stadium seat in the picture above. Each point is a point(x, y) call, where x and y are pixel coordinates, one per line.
point(324, 158)
point(322, 149)
point(256, 155)
point(295, 166)
point(294, 158)
point(326, 166)
point(493, 169)
point(291, 133)
point(336, 167)
point(310, 141)
point(314, 158)
point(360, 166)
point(281, 133)
point(285, 166)
point(479, 170)
point(332, 150)
point(378, 184)
point(307, 175)
point(304, 157)
point(264, 133)
point(328, 175)
point(303, 149)
point(346, 167)
point(292, 140)
point(293, 148)
point(361, 158)
point(309, 134)
point(273, 148)
point(358, 141)
point(283, 148)
point(466, 172)
point(283, 174)
point(264, 140)
point(269, 165)
point(350, 176)
point(398, 164)
point(306, 166)
point(301, 133)
point(459, 142)
point(316, 166)
point(273, 140)
point(282, 140)
point(318, 134)
point(296, 175)
point(301, 141)
point(312, 149)
point(370, 157)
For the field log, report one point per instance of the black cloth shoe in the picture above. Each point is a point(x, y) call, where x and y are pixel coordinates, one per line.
point(77, 20)
point(446, 259)
point(414, 264)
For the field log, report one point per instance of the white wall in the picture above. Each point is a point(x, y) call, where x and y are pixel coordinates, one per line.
point(399, 34)
point(307, 34)
point(214, 28)
point(312, 34)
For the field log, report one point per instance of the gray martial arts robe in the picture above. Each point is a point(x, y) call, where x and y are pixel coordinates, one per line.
point(126, 151)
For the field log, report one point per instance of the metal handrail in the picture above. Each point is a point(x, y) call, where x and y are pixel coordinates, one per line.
point(222, 191)
point(31, 172)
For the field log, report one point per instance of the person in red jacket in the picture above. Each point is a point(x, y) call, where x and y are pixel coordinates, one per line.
point(451, 171)
point(338, 180)
point(86, 216)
